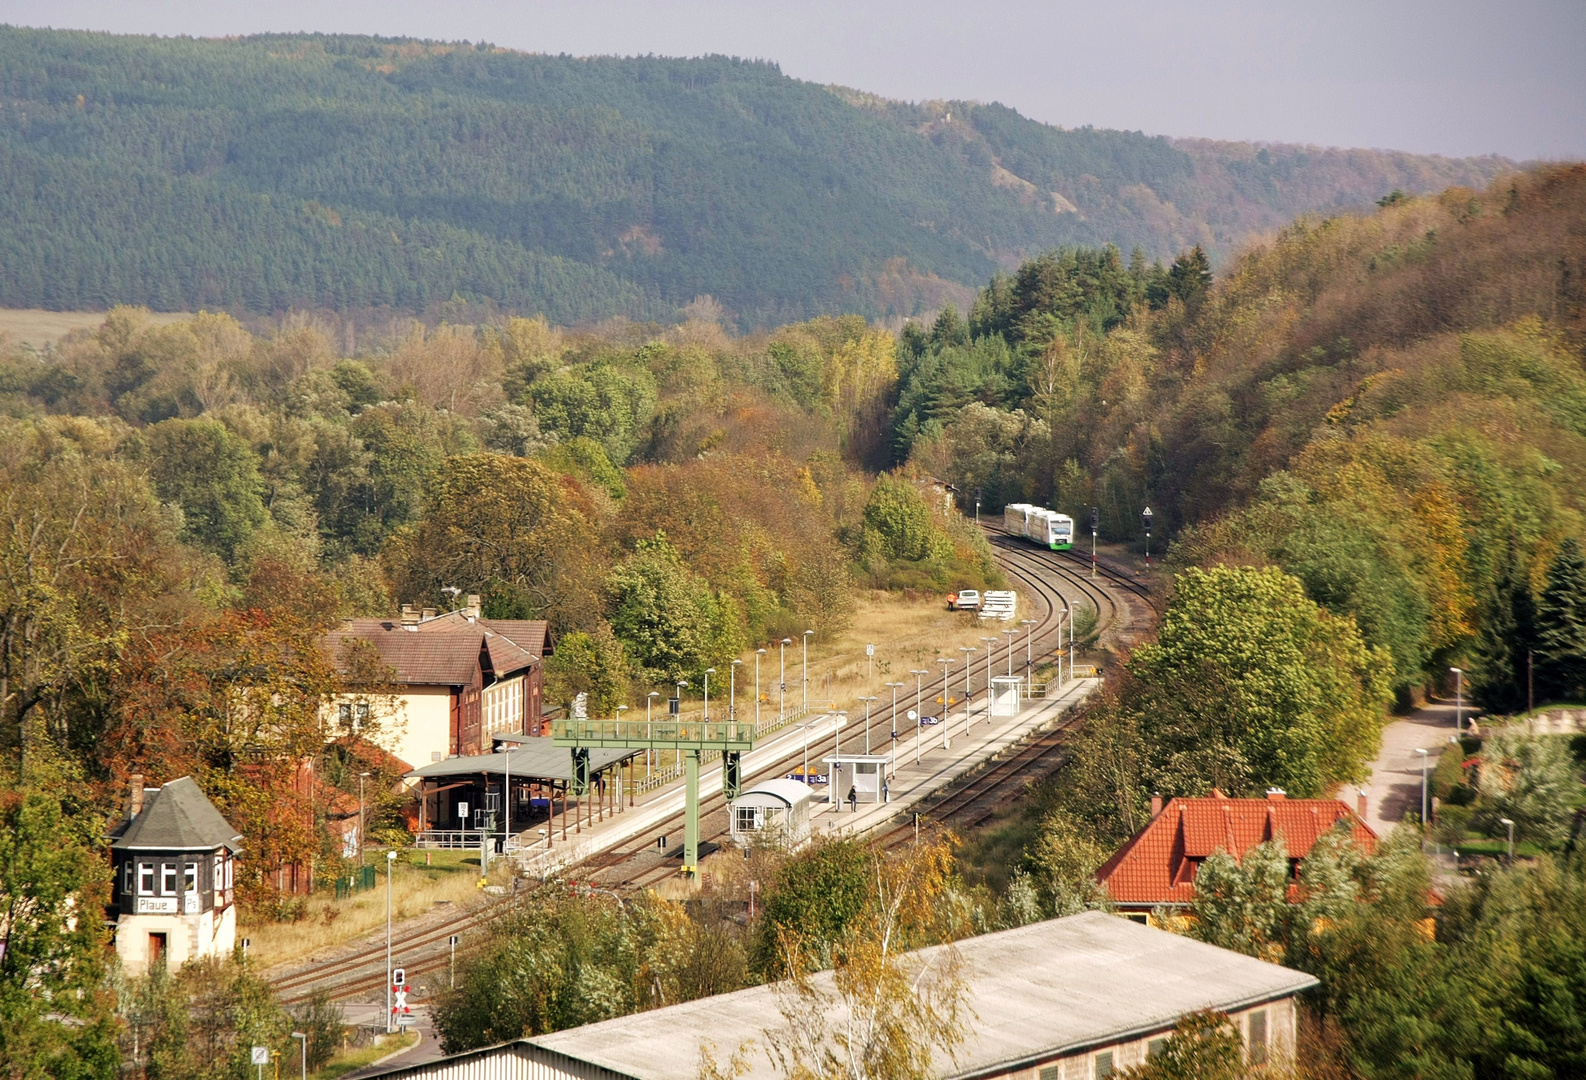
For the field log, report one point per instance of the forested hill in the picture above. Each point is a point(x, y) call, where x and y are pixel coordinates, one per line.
point(360, 173)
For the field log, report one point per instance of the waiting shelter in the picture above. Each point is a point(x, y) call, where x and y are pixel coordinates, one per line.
point(460, 798)
point(777, 809)
point(863, 774)
point(1005, 691)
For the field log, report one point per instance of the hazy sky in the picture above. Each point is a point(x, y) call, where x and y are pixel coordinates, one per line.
point(1453, 77)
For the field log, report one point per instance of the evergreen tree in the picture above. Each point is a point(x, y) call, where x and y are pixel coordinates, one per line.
point(1561, 628)
point(1506, 643)
point(1191, 275)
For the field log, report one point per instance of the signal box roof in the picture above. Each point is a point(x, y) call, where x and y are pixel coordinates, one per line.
point(176, 817)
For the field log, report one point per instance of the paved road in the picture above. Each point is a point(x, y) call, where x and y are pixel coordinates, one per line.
point(1394, 789)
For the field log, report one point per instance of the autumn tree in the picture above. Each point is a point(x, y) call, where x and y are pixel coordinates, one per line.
point(670, 621)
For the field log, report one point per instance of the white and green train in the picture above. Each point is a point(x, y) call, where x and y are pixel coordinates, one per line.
point(1039, 525)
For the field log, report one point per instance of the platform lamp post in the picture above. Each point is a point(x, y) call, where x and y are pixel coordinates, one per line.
point(1028, 659)
point(708, 673)
point(868, 701)
point(732, 692)
point(649, 731)
point(304, 1038)
point(1425, 757)
point(390, 864)
point(1509, 824)
point(758, 653)
point(1459, 700)
point(1008, 633)
point(969, 662)
point(781, 701)
point(894, 687)
point(919, 716)
point(618, 772)
point(361, 778)
point(806, 675)
point(1145, 516)
point(991, 647)
point(1095, 522)
point(947, 665)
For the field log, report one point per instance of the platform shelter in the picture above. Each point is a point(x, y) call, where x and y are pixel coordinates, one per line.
point(863, 774)
point(1005, 693)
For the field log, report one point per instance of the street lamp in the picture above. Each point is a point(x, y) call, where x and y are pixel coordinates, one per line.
point(361, 777)
point(758, 653)
point(991, 647)
point(1008, 633)
point(968, 664)
point(390, 864)
point(708, 673)
point(946, 667)
point(1459, 700)
point(1425, 757)
point(894, 687)
point(781, 704)
point(806, 676)
point(867, 701)
point(732, 691)
point(1027, 623)
point(304, 1039)
point(919, 717)
point(649, 733)
point(1145, 516)
point(1509, 822)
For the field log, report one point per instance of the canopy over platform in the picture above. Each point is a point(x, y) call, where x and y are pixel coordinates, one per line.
point(532, 761)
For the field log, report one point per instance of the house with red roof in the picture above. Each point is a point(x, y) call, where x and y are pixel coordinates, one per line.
point(1157, 867)
point(460, 679)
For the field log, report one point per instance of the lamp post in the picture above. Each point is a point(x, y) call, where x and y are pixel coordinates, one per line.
point(894, 687)
point(781, 703)
point(867, 701)
point(1095, 521)
point(969, 662)
point(947, 665)
point(758, 653)
point(806, 675)
point(649, 732)
point(1008, 633)
point(1425, 757)
point(708, 673)
point(361, 778)
point(301, 1036)
point(1028, 660)
point(918, 673)
point(390, 864)
point(1145, 516)
point(732, 691)
point(991, 648)
point(1459, 700)
point(1509, 823)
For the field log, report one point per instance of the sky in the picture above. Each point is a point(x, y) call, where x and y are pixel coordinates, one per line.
point(1459, 77)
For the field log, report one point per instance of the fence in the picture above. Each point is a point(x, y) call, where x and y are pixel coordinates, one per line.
point(355, 882)
point(662, 777)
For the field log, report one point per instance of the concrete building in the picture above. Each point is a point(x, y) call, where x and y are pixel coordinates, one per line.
point(1069, 999)
point(1157, 867)
point(460, 678)
point(174, 896)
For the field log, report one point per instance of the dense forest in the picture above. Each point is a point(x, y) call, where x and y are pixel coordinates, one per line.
point(367, 175)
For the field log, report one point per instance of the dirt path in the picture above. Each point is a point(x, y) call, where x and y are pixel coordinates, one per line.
point(1394, 788)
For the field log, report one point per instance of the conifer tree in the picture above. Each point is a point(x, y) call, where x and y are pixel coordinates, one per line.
point(1506, 643)
point(1561, 628)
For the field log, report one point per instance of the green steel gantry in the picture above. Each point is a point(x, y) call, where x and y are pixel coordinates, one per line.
point(691, 738)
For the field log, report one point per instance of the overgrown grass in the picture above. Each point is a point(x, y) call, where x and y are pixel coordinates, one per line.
point(358, 1056)
point(450, 876)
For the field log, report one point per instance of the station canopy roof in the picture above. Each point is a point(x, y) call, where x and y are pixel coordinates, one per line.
point(536, 759)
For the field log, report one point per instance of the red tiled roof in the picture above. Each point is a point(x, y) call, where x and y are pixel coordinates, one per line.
point(1158, 865)
point(449, 650)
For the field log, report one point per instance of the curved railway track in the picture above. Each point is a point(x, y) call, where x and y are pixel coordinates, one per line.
point(1052, 581)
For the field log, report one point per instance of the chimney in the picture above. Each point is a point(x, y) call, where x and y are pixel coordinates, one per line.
point(429, 613)
point(410, 616)
point(134, 795)
point(1360, 803)
point(1276, 793)
point(1156, 804)
point(473, 609)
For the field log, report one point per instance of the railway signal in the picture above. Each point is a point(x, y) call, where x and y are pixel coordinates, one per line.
point(1095, 521)
point(1145, 516)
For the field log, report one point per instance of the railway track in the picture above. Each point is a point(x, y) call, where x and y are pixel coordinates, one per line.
point(1052, 583)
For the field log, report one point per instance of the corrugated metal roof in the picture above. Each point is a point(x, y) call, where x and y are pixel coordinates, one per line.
point(1158, 865)
point(176, 817)
point(539, 759)
point(1034, 993)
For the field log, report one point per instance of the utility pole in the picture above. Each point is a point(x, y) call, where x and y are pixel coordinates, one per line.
point(361, 777)
point(806, 676)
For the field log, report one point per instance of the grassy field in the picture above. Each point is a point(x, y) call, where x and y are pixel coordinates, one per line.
point(358, 1056)
point(38, 328)
point(452, 877)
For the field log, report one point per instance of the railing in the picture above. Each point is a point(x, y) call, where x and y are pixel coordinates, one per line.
point(660, 731)
point(450, 839)
point(675, 771)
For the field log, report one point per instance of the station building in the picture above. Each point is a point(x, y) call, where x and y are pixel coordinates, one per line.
point(174, 860)
point(1077, 998)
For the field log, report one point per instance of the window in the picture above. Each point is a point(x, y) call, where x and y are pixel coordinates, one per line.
point(168, 879)
point(1052, 1072)
point(344, 712)
point(1104, 1065)
point(145, 879)
point(1257, 1038)
point(126, 876)
point(1155, 1047)
point(190, 877)
point(748, 818)
point(360, 715)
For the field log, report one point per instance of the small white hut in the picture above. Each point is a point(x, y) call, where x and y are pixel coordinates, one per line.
point(777, 809)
